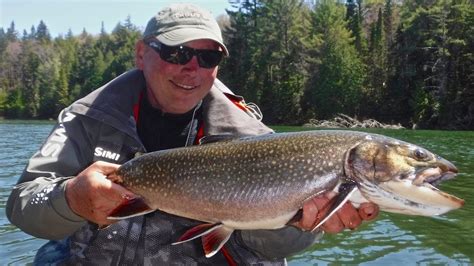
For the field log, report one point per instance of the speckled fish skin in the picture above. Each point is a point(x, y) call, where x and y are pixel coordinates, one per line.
point(249, 183)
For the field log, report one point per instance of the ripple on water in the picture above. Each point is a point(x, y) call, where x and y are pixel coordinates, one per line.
point(390, 240)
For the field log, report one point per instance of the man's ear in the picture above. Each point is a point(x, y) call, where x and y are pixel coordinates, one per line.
point(139, 54)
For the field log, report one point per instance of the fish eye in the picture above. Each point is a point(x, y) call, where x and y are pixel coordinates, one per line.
point(420, 154)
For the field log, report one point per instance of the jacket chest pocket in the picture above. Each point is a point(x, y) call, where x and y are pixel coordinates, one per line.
point(113, 148)
point(108, 152)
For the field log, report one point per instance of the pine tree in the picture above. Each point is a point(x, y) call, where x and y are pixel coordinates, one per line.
point(354, 17)
point(42, 33)
point(30, 85)
point(336, 83)
point(242, 41)
point(12, 34)
point(284, 23)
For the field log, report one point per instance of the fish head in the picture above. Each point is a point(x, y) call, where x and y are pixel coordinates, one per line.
point(401, 177)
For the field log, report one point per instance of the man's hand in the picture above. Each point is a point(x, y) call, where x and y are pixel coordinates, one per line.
point(346, 217)
point(92, 196)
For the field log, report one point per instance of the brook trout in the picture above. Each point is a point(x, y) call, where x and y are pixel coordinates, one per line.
point(261, 182)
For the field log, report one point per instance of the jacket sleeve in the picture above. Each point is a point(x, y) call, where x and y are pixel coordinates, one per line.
point(37, 204)
point(278, 244)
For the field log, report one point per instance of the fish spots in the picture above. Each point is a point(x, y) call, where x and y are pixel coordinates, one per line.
point(242, 173)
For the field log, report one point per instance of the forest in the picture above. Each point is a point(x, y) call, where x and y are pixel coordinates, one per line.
point(397, 61)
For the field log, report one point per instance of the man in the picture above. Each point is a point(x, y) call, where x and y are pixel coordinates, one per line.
point(171, 100)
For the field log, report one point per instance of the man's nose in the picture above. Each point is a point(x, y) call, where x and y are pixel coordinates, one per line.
point(193, 64)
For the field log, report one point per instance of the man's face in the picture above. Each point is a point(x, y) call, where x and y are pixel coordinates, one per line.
point(171, 87)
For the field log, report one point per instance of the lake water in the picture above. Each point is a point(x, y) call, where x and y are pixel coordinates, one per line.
point(391, 239)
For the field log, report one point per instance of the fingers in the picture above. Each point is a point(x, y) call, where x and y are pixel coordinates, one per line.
point(346, 217)
point(104, 168)
point(334, 223)
point(92, 196)
point(310, 210)
point(349, 216)
point(368, 211)
point(310, 217)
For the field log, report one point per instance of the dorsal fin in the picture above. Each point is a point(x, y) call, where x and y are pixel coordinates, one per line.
point(227, 137)
point(220, 138)
point(138, 154)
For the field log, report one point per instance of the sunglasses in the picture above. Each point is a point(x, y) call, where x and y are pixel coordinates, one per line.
point(181, 55)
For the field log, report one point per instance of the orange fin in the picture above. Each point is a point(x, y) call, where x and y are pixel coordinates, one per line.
point(214, 236)
point(334, 204)
point(214, 240)
point(130, 207)
point(196, 232)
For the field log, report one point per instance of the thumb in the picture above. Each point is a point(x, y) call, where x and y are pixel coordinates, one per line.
point(106, 168)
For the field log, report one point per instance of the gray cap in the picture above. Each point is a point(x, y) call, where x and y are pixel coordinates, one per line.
point(180, 23)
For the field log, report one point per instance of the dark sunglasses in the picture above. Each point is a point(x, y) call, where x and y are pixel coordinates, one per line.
point(181, 55)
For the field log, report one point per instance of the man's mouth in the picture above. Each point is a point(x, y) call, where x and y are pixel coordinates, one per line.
point(184, 86)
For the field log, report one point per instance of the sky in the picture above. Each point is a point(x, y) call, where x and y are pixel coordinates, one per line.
point(62, 15)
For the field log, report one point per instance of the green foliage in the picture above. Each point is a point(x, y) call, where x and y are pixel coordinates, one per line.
point(431, 38)
point(336, 84)
point(40, 76)
point(14, 105)
point(408, 62)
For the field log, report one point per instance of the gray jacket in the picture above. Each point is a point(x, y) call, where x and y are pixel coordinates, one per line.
point(101, 126)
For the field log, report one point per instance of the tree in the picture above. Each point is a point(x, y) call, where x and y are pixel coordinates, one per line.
point(377, 60)
point(123, 40)
point(12, 33)
point(354, 17)
point(242, 42)
point(336, 83)
point(457, 108)
point(284, 24)
point(266, 63)
point(42, 33)
point(30, 85)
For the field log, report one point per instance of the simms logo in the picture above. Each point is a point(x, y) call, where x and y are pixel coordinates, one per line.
point(58, 137)
point(100, 152)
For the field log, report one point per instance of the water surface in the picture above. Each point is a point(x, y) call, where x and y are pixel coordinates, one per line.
point(391, 239)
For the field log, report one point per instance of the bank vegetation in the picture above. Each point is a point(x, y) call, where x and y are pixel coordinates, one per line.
point(398, 62)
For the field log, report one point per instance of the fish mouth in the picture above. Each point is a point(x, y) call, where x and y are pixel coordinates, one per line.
point(418, 194)
point(433, 176)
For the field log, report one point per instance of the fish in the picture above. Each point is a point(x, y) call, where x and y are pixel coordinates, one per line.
point(262, 182)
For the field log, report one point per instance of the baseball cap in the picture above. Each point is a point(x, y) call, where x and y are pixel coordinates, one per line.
point(180, 23)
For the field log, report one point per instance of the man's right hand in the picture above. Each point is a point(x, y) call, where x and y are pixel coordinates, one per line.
point(92, 196)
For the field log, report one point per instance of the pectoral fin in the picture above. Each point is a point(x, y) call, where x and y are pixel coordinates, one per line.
point(130, 207)
point(214, 241)
point(345, 192)
point(214, 236)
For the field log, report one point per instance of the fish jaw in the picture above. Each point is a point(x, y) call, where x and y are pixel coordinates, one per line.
point(425, 200)
point(401, 196)
point(399, 177)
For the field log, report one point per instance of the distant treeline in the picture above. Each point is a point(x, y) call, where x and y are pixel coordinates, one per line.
point(408, 62)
